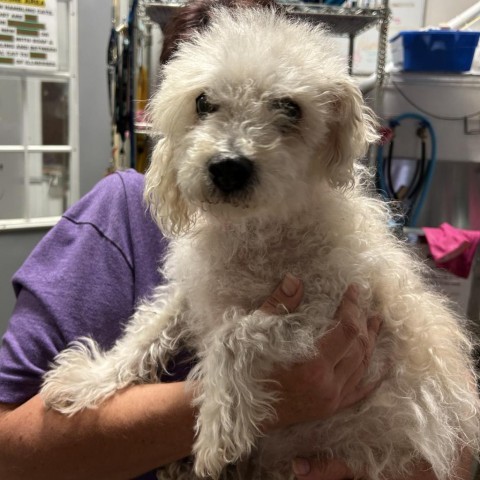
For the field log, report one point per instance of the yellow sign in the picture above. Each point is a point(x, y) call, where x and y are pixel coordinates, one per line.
point(29, 3)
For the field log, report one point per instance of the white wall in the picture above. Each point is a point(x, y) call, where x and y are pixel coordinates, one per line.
point(440, 11)
point(94, 22)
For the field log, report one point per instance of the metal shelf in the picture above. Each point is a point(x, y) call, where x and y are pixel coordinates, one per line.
point(340, 21)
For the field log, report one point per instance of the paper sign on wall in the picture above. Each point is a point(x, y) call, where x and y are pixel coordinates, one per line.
point(28, 34)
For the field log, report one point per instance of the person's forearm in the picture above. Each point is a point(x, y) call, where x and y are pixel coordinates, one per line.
point(137, 430)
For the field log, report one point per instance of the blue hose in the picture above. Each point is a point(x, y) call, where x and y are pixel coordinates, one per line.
point(385, 191)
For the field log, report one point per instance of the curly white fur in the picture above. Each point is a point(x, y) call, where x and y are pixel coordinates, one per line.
point(306, 212)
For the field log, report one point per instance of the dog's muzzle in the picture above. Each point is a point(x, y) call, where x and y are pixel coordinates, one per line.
point(231, 174)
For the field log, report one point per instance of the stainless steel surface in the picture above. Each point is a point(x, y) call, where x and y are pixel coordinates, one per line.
point(341, 21)
point(454, 196)
point(473, 310)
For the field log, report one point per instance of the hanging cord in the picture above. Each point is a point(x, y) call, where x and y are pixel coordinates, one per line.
point(411, 196)
point(122, 97)
point(112, 65)
point(112, 77)
point(132, 17)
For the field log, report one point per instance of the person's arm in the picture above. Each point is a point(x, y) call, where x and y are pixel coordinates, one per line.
point(137, 430)
point(145, 426)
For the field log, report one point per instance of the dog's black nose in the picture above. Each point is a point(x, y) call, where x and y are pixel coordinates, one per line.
point(231, 174)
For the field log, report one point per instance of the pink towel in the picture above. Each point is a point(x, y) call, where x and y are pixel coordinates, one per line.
point(452, 248)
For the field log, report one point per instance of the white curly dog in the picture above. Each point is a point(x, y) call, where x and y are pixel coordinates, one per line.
point(255, 176)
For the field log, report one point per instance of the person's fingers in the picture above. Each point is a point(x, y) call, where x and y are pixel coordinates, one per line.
point(374, 324)
point(350, 330)
point(358, 393)
point(286, 297)
point(356, 357)
point(353, 390)
point(321, 469)
point(360, 352)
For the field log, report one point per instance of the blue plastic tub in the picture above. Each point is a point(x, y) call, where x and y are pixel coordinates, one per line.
point(434, 50)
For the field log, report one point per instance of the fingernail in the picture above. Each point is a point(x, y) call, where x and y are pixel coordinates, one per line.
point(300, 466)
point(352, 292)
point(290, 285)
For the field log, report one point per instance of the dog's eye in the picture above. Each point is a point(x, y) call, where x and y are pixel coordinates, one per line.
point(204, 107)
point(288, 107)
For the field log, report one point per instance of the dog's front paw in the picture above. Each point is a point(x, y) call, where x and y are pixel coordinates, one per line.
point(81, 378)
point(211, 458)
point(226, 434)
point(215, 445)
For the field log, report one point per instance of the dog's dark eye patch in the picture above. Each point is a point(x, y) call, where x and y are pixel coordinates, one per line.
point(204, 106)
point(288, 107)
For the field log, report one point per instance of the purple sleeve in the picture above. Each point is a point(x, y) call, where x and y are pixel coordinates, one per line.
point(83, 278)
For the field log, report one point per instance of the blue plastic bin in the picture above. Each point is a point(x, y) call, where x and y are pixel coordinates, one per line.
point(434, 50)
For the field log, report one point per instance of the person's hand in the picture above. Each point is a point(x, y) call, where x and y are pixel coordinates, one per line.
point(320, 387)
point(335, 469)
point(321, 469)
point(285, 298)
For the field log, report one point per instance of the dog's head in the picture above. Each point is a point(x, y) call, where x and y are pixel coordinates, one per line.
point(254, 113)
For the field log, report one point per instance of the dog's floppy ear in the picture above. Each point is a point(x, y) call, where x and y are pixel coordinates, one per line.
point(162, 195)
point(169, 113)
point(352, 127)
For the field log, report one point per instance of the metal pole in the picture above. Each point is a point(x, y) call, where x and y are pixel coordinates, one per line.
point(465, 18)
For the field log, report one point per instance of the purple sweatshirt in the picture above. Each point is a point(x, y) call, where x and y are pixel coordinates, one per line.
point(83, 279)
